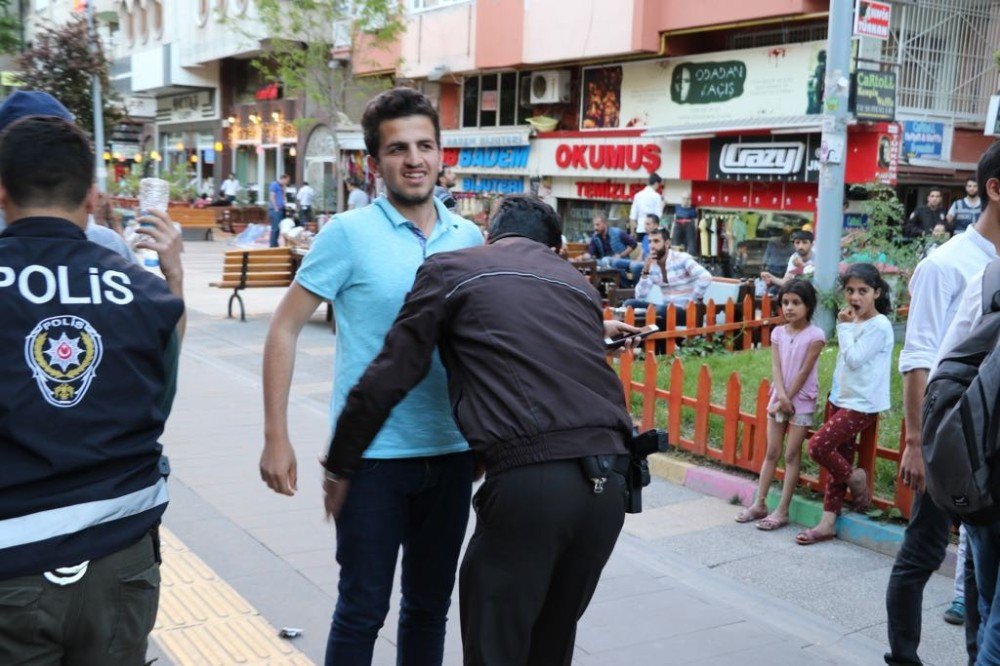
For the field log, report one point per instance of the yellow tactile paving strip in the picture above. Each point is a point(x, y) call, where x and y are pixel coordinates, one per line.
point(204, 622)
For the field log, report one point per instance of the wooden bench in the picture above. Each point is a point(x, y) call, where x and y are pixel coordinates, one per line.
point(720, 290)
point(194, 218)
point(234, 219)
point(245, 269)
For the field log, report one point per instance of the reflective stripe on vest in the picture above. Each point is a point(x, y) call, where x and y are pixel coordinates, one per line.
point(72, 519)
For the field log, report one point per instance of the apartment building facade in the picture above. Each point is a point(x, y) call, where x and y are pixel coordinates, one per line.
point(581, 103)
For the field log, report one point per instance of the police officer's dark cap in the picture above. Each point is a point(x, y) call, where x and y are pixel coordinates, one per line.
point(24, 103)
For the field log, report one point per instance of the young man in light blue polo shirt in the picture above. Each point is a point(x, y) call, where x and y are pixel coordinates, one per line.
point(414, 487)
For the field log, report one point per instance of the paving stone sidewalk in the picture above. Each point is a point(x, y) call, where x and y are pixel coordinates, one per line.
point(686, 584)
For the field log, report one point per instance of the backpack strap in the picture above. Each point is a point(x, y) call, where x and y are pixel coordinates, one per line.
point(991, 287)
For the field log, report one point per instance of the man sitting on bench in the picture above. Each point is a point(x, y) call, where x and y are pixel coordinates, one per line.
point(610, 247)
point(669, 277)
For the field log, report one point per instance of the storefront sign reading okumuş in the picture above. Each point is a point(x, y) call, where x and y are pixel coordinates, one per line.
point(623, 157)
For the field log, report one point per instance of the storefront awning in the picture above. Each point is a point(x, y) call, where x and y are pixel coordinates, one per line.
point(351, 140)
point(486, 138)
point(712, 127)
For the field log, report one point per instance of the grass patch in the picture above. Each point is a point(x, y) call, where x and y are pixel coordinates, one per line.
point(755, 365)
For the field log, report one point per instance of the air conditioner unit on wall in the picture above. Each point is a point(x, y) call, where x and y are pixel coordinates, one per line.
point(550, 87)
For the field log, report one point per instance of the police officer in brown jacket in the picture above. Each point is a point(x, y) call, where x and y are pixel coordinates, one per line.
point(520, 332)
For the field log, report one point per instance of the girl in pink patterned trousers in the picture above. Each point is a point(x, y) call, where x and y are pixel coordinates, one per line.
point(860, 391)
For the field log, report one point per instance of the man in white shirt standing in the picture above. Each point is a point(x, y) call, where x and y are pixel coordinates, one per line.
point(357, 198)
point(304, 197)
point(984, 540)
point(936, 290)
point(647, 201)
point(230, 188)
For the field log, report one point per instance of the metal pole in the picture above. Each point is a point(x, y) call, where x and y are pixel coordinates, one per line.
point(833, 153)
point(101, 168)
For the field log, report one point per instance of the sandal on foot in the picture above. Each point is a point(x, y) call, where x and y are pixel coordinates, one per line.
point(750, 514)
point(811, 536)
point(771, 523)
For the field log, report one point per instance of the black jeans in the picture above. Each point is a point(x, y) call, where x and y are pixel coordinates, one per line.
point(924, 545)
point(542, 539)
point(684, 236)
point(421, 504)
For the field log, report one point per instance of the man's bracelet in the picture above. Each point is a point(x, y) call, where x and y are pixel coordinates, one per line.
point(333, 476)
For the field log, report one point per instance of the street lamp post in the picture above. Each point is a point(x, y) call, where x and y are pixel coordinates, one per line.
point(102, 171)
point(833, 152)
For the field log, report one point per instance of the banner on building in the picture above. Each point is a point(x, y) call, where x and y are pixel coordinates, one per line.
point(785, 158)
point(873, 95)
point(774, 81)
point(992, 126)
point(186, 107)
point(872, 18)
point(923, 140)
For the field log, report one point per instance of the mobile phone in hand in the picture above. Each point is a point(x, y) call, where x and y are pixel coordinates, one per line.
point(619, 341)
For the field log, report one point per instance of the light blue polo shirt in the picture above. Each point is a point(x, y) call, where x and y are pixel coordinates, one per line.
point(365, 260)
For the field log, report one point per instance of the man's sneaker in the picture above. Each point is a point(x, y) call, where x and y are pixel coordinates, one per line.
point(955, 613)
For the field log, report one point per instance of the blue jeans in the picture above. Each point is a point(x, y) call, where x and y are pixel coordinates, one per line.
point(421, 504)
point(985, 544)
point(661, 311)
point(623, 266)
point(275, 217)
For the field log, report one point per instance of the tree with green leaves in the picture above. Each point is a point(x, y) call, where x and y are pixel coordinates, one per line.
point(10, 26)
point(62, 63)
point(304, 46)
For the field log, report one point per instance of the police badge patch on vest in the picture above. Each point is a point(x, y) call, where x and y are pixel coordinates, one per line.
point(63, 354)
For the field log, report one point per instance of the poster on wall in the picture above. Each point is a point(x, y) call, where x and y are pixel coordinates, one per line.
point(923, 140)
point(758, 83)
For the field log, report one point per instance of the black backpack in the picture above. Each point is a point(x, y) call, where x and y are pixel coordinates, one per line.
point(961, 418)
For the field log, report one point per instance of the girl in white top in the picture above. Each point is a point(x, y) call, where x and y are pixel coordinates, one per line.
point(860, 391)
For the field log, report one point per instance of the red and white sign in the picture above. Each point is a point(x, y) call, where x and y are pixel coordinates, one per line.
point(871, 19)
point(873, 153)
point(613, 158)
point(607, 190)
point(616, 157)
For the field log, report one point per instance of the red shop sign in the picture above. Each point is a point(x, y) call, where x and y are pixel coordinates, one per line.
point(607, 190)
point(269, 92)
point(623, 157)
point(449, 156)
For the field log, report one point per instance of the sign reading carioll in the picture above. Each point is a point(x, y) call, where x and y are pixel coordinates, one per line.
point(63, 354)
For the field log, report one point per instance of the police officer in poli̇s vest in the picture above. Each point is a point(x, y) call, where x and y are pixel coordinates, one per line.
point(88, 357)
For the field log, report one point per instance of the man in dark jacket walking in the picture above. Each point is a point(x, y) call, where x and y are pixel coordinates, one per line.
point(520, 333)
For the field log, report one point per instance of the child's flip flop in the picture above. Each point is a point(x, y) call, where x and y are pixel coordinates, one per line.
point(750, 513)
point(770, 524)
point(811, 536)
